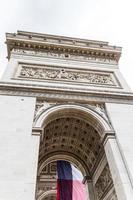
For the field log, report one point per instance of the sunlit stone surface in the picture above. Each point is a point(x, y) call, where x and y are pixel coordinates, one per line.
point(64, 99)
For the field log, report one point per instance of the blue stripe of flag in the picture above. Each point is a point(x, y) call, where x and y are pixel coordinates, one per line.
point(64, 182)
point(64, 170)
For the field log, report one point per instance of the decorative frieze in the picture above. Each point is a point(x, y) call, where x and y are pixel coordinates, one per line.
point(78, 57)
point(61, 74)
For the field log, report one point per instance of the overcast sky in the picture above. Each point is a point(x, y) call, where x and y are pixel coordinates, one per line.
point(107, 20)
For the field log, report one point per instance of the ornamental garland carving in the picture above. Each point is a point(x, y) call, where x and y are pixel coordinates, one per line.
point(45, 73)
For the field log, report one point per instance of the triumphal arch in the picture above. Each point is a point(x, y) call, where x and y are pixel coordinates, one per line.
point(64, 98)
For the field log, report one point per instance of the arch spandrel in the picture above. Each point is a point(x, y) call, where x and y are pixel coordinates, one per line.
point(45, 115)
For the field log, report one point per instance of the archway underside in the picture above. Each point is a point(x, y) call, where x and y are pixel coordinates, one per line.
point(73, 136)
point(77, 140)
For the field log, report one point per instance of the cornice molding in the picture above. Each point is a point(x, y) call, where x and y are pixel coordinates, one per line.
point(65, 94)
point(73, 46)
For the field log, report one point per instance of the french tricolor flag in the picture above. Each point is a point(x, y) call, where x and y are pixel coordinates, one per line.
point(69, 182)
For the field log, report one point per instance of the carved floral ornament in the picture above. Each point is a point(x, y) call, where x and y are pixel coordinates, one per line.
point(58, 74)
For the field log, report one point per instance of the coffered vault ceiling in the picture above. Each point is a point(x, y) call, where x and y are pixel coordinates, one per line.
point(75, 137)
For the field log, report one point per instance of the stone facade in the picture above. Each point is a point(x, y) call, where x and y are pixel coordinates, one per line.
point(64, 99)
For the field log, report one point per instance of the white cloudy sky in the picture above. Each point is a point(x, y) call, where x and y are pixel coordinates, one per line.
point(107, 20)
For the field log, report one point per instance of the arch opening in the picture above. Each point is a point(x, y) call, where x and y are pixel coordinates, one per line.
point(46, 115)
point(47, 184)
point(73, 135)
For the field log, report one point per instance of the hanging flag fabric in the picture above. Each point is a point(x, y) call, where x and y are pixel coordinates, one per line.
point(69, 182)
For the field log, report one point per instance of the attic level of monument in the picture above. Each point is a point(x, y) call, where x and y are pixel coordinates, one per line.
point(59, 44)
point(48, 66)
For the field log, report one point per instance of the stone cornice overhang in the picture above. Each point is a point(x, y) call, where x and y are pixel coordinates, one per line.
point(49, 43)
point(64, 94)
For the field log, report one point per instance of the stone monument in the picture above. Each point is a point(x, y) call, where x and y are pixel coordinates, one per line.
point(64, 98)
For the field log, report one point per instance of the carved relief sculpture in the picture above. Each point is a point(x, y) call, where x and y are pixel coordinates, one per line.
point(103, 183)
point(44, 73)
